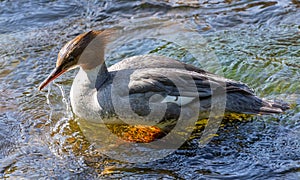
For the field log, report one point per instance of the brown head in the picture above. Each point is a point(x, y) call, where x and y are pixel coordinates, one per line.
point(86, 50)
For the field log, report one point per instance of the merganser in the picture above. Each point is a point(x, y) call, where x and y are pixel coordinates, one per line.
point(96, 88)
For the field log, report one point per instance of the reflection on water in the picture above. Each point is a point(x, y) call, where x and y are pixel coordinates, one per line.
point(256, 42)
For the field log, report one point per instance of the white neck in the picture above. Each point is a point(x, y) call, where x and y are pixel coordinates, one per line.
point(84, 92)
point(88, 77)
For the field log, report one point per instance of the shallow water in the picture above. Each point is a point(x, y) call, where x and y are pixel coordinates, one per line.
point(256, 42)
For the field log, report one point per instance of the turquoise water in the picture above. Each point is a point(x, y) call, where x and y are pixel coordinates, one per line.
point(256, 42)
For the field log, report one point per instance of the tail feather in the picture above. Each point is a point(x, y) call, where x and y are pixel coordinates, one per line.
point(251, 104)
point(273, 107)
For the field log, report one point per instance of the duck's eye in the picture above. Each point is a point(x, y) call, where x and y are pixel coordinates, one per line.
point(71, 58)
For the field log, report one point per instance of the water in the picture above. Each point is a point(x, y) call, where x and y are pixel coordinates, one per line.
point(256, 42)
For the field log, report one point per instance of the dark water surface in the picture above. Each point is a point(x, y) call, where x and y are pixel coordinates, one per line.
point(257, 42)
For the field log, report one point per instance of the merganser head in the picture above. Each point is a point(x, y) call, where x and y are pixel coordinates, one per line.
point(86, 50)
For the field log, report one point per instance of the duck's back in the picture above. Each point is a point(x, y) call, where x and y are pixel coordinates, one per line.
point(168, 66)
point(148, 61)
point(149, 72)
